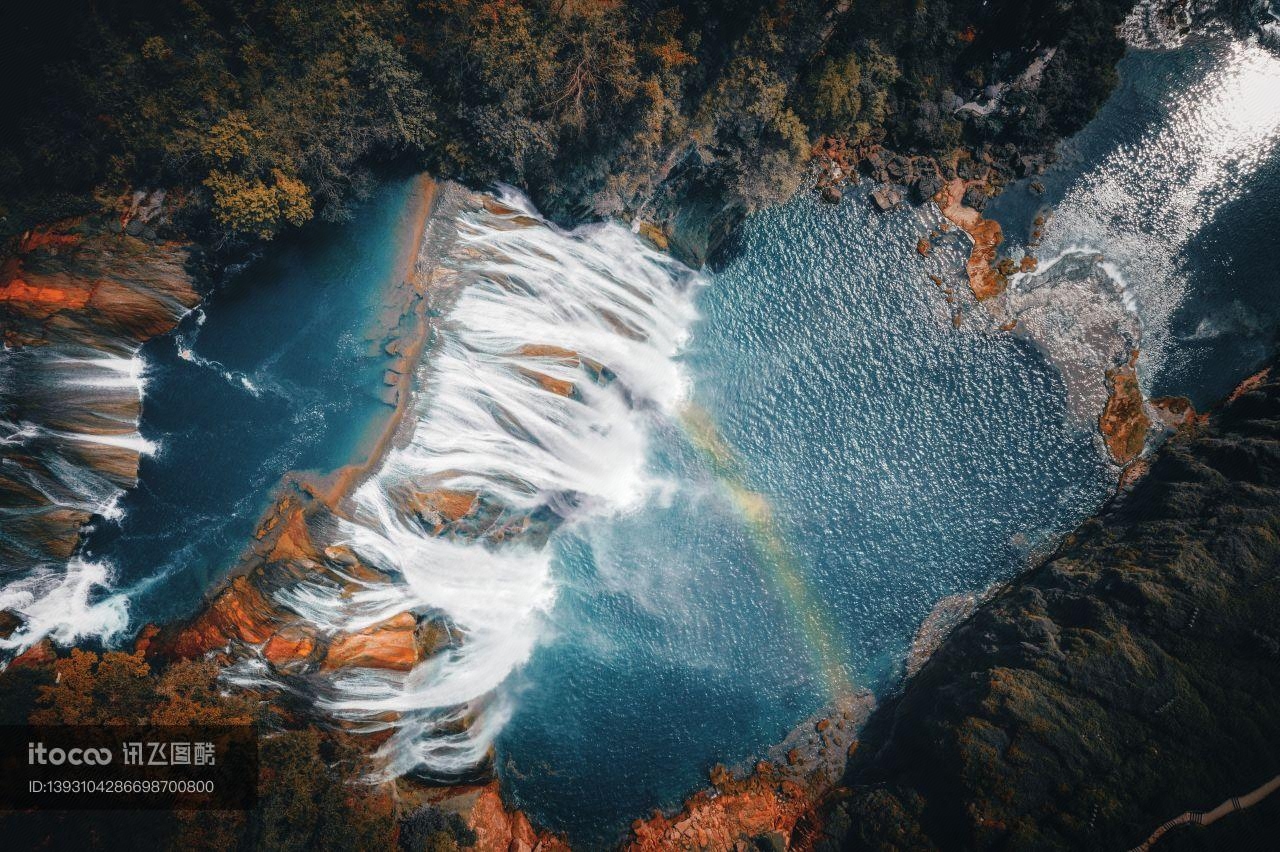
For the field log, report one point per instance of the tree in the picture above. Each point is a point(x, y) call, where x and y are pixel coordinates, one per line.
point(430, 829)
point(756, 133)
point(837, 99)
point(115, 689)
point(251, 206)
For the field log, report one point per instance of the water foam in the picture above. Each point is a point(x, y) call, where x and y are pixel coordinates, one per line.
point(185, 346)
point(69, 414)
point(60, 604)
point(556, 356)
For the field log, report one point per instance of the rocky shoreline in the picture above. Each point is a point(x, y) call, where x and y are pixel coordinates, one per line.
point(241, 610)
point(768, 806)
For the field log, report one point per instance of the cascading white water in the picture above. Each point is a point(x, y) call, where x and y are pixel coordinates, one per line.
point(559, 350)
point(58, 602)
point(71, 436)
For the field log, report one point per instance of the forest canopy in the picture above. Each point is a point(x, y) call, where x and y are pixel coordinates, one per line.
point(258, 115)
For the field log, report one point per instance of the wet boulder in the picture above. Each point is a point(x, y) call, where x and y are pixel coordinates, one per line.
point(925, 188)
point(9, 622)
point(975, 197)
point(886, 198)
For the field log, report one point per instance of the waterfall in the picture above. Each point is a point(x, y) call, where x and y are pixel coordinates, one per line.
point(70, 446)
point(76, 306)
point(558, 352)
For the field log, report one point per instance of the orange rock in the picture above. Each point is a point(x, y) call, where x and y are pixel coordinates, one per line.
point(1129, 477)
point(1124, 423)
point(55, 298)
point(292, 644)
point(497, 207)
point(390, 644)
point(720, 776)
point(1176, 412)
point(239, 612)
point(718, 822)
point(292, 537)
point(145, 638)
point(39, 654)
point(791, 790)
point(47, 238)
point(654, 235)
point(923, 247)
point(1249, 384)
point(500, 830)
point(984, 280)
point(449, 505)
point(560, 387)
point(546, 350)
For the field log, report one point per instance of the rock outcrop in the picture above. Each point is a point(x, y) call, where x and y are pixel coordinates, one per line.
point(1131, 676)
point(1124, 423)
point(985, 280)
point(496, 828)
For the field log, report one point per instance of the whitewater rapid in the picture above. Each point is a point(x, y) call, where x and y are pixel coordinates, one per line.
point(69, 432)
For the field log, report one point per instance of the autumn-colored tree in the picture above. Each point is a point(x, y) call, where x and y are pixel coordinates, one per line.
point(252, 206)
point(114, 689)
point(231, 139)
point(188, 693)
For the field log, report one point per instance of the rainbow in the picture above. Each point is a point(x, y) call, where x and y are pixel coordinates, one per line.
point(810, 612)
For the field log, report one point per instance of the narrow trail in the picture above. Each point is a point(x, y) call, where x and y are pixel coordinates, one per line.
point(1203, 818)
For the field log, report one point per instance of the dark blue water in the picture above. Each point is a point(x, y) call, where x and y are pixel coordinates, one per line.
point(1227, 323)
point(901, 460)
point(283, 374)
